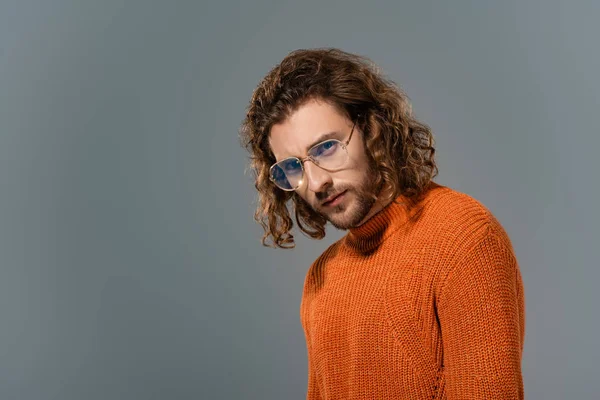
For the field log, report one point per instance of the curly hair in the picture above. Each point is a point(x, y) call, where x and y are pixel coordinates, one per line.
point(398, 145)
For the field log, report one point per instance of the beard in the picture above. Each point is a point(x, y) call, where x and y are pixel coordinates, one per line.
point(358, 201)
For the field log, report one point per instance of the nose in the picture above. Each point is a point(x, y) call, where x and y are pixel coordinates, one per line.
point(317, 177)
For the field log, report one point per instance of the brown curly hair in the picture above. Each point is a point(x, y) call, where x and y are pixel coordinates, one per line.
point(398, 145)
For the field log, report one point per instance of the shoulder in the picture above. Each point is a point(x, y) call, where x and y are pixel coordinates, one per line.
point(453, 212)
point(453, 222)
point(464, 239)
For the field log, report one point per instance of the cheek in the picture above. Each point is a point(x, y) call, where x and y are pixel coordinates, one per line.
point(350, 178)
point(304, 195)
point(357, 170)
point(358, 160)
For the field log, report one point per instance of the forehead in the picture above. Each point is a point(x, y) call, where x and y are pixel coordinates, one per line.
point(299, 131)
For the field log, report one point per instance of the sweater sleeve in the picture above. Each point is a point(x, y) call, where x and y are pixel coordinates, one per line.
point(481, 314)
point(312, 392)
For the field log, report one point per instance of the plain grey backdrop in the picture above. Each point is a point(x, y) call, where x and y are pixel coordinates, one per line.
point(130, 265)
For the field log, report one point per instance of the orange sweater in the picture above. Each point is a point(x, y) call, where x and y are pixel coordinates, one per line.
point(419, 305)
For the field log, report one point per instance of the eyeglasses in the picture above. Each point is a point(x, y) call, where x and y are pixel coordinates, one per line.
point(288, 174)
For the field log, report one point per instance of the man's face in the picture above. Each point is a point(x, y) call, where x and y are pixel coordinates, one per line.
point(354, 181)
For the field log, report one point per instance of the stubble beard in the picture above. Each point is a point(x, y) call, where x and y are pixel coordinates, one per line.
point(346, 216)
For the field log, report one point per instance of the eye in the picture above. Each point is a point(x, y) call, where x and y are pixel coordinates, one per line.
point(326, 148)
point(277, 173)
point(291, 166)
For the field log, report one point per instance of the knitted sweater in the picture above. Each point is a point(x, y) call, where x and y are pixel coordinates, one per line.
point(426, 304)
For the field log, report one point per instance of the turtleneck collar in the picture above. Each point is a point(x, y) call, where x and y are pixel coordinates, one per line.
point(368, 236)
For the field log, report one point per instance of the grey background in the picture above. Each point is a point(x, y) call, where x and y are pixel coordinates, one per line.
point(130, 265)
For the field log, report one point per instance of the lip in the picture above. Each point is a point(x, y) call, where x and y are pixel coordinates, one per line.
point(327, 202)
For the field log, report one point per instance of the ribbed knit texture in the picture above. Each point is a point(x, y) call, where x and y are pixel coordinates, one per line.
point(421, 305)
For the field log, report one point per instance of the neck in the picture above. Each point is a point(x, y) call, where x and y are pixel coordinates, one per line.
point(386, 217)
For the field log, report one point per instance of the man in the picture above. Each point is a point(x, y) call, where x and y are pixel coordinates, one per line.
point(423, 297)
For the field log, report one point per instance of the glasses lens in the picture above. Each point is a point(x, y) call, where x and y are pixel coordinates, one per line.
point(329, 154)
point(287, 174)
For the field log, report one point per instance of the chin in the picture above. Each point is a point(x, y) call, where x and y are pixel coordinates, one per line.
point(344, 218)
point(353, 213)
point(344, 224)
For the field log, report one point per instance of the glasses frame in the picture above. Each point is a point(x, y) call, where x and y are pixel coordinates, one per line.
point(344, 146)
